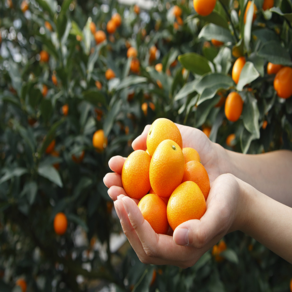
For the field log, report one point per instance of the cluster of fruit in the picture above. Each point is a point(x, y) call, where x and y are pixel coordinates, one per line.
point(169, 180)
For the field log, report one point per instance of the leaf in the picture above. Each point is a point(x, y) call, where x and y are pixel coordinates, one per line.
point(250, 115)
point(248, 26)
point(48, 44)
point(16, 172)
point(46, 109)
point(195, 63)
point(210, 92)
point(212, 31)
point(62, 18)
point(248, 74)
point(216, 19)
point(273, 52)
point(223, 60)
point(202, 261)
point(50, 136)
point(15, 76)
point(110, 118)
point(94, 97)
point(187, 89)
point(131, 80)
point(230, 255)
point(213, 79)
point(204, 110)
point(77, 220)
point(216, 125)
point(245, 140)
point(266, 35)
point(277, 10)
point(92, 59)
point(51, 174)
point(46, 7)
point(30, 190)
point(144, 282)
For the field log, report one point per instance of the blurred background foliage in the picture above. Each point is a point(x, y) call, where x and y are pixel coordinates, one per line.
point(63, 115)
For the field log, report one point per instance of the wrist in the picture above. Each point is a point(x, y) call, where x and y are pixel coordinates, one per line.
point(224, 160)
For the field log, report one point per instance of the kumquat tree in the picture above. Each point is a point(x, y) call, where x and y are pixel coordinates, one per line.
point(79, 81)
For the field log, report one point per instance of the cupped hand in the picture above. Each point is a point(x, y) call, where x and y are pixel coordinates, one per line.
point(212, 157)
point(191, 239)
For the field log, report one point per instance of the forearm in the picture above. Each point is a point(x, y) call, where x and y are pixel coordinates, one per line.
point(266, 220)
point(269, 173)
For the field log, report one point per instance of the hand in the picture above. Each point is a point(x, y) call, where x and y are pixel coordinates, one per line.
point(213, 157)
point(190, 240)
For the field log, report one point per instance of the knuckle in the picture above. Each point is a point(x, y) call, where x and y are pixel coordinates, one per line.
point(149, 252)
point(199, 239)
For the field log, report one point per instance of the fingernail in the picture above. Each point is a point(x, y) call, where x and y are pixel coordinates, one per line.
point(117, 208)
point(125, 206)
point(182, 236)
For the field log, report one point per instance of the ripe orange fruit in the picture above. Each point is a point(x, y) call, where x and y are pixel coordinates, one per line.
point(176, 11)
point(164, 199)
point(99, 37)
point(158, 67)
point(152, 53)
point(190, 154)
point(78, 159)
point(111, 27)
point(153, 278)
point(132, 53)
point(44, 90)
point(186, 203)
point(22, 284)
point(268, 4)
point(110, 74)
point(291, 285)
point(160, 130)
point(283, 81)
point(44, 56)
point(98, 85)
point(207, 131)
point(175, 25)
point(217, 43)
point(117, 19)
point(273, 68)
point(166, 168)
point(196, 172)
point(230, 139)
point(131, 96)
point(136, 9)
point(51, 147)
point(220, 102)
point(233, 106)
point(54, 79)
point(237, 68)
point(48, 26)
point(204, 7)
point(174, 63)
point(144, 107)
point(265, 124)
point(159, 84)
point(99, 141)
point(135, 66)
point(135, 174)
point(24, 6)
point(65, 109)
point(217, 249)
point(60, 223)
point(254, 11)
point(153, 210)
point(56, 154)
point(92, 27)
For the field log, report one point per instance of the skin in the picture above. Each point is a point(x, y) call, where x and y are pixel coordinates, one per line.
point(249, 193)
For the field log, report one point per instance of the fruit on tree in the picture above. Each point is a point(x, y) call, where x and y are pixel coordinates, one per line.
point(283, 82)
point(237, 68)
point(60, 223)
point(204, 7)
point(233, 106)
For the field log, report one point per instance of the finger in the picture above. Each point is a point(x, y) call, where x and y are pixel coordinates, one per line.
point(112, 179)
point(116, 164)
point(115, 191)
point(160, 249)
point(140, 142)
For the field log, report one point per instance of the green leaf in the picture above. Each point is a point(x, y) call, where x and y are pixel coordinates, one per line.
point(250, 115)
point(258, 62)
point(16, 172)
point(212, 31)
point(216, 19)
point(230, 255)
point(238, 49)
point(245, 140)
point(77, 220)
point(51, 174)
point(204, 109)
point(248, 74)
point(15, 76)
point(275, 53)
point(46, 109)
point(46, 8)
point(110, 118)
point(216, 125)
point(49, 46)
point(247, 27)
point(210, 53)
point(50, 136)
point(277, 10)
point(94, 97)
point(266, 35)
point(210, 92)
point(195, 63)
point(223, 60)
point(187, 89)
point(144, 282)
point(30, 190)
point(62, 19)
point(204, 259)
point(131, 80)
